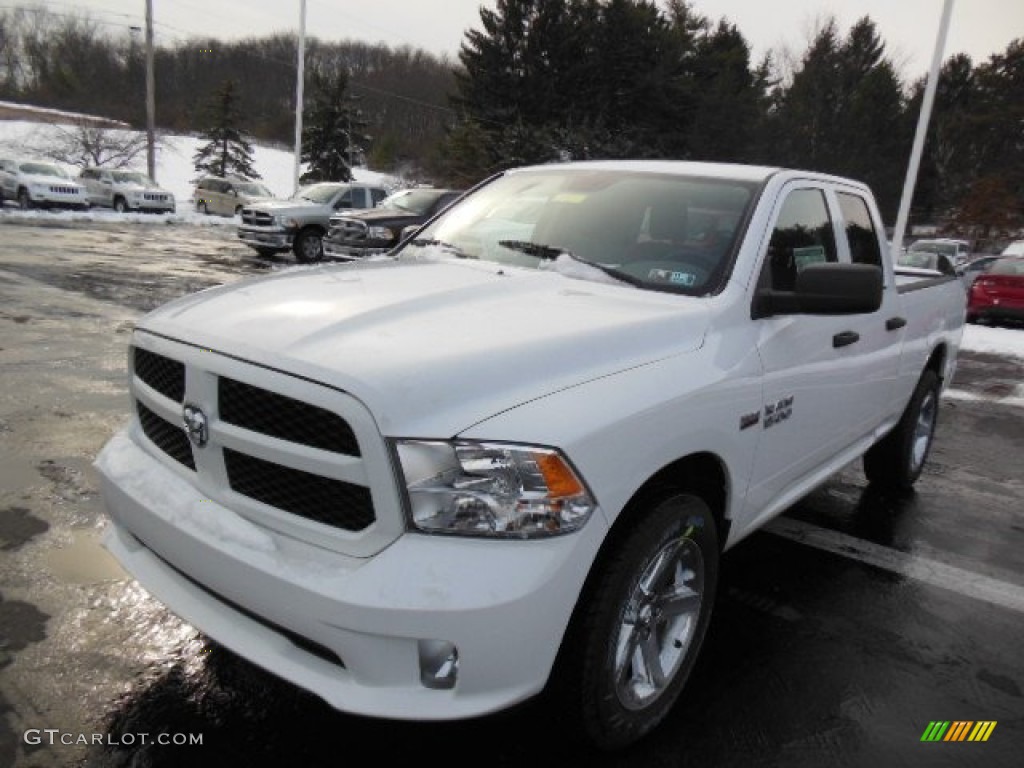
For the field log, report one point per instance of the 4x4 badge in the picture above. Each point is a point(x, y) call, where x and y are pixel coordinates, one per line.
point(196, 425)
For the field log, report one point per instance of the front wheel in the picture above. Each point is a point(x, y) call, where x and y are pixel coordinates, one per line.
point(24, 200)
point(201, 208)
point(120, 205)
point(308, 246)
point(636, 635)
point(896, 461)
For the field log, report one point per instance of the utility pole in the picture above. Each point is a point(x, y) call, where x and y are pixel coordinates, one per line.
point(298, 93)
point(150, 95)
point(922, 130)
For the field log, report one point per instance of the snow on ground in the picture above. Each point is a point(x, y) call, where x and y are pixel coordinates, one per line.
point(174, 170)
point(998, 341)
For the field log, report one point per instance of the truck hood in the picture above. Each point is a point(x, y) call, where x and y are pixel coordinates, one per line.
point(432, 348)
point(285, 207)
point(374, 216)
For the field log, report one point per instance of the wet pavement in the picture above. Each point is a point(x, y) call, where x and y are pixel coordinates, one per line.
point(839, 633)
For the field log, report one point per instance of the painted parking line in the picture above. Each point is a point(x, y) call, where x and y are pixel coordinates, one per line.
point(933, 572)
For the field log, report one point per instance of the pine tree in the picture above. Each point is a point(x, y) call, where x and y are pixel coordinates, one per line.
point(226, 152)
point(333, 140)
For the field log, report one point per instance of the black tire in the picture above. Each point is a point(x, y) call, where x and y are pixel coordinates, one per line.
point(120, 205)
point(238, 210)
point(896, 461)
point(201, 208)
point(308, 246)
point(24, 200)
point(614, 697)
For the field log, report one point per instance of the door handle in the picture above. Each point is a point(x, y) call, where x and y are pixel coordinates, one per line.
point(895, 323)
point(845, 339)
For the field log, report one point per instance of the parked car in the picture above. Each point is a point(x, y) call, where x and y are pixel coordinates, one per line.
point(957, 251)
point(300, 223)
point(426, 487)
point(1016, 248)
point(227, 196)
point(125, 190)
point(998, 293)
point(976, 267)
point(357, 234)
point(929, 260)
point(40, 184)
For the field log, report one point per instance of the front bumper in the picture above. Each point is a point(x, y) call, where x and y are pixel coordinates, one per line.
point(260, 238)
point(56, 200)
point(503, 604)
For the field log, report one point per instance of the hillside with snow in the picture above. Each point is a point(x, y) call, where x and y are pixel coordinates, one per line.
point(174, 169)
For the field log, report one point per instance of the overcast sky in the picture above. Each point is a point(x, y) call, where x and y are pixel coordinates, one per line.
point(979, 28)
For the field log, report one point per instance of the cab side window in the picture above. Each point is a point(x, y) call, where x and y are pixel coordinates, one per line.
point(860, 230)
point(803, 235)
point(345, 201)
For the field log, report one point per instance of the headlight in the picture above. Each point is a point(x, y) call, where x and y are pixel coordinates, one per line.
point(286, 222)
point(380, 233)
point(491, 489)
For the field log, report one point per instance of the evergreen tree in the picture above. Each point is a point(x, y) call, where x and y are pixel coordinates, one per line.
point(333, 140)
point(226, 152)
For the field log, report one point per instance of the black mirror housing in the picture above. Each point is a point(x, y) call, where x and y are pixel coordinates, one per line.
point(826, 289)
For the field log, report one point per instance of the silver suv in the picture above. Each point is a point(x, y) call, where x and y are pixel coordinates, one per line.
point(227, 196)
point(125, 191)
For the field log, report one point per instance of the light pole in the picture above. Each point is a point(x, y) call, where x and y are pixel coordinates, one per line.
point(298, 93)
point(150, 95)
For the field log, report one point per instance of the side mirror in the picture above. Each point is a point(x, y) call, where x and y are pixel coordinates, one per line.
point(826, 289)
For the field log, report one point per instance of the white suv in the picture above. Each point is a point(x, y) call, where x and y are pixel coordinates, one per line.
point(40, 184)
point(125, 191)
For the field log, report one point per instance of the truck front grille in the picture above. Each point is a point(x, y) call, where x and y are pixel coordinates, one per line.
point(322, 499)
point(283, 417)
point(164, 375)
point(305, 459)
point(167, 437)
point(256, 218)
point(350, 230)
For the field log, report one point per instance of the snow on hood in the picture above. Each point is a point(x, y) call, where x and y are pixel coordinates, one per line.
point(434, 347)
point(284, 206)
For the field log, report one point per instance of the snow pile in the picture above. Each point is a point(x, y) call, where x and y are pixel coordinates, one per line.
point(566, 265)
point(996, 341)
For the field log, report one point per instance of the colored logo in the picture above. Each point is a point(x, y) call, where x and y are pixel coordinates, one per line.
point(958, 730)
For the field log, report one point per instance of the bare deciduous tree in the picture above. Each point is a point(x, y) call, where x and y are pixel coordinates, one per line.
point(89, 144)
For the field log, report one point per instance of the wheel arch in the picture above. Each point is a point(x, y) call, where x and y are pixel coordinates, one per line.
point(937, 361)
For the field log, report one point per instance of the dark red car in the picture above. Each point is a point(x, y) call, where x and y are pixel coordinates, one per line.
point(998, 293)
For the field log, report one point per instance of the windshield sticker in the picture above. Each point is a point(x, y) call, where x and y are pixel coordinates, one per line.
point(569, 197)
point(676, 278)
point(812, 254)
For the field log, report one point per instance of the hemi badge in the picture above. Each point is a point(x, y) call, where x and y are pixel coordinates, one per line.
point(749, 420)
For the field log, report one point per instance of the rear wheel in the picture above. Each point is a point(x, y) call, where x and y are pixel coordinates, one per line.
point(897, 460)
point(24, 200)
point(120, 205)
point(636, 635)
point(308, 246)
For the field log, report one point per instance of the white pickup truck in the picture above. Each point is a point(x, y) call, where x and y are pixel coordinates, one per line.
point(508, 456)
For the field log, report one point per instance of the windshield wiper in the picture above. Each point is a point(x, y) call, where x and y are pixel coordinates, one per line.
point(552, 252)
point(426, 241)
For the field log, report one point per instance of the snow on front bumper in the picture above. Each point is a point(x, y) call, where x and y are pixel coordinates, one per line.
point(349, 629)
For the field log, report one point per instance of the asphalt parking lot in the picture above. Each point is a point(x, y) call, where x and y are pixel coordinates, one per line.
point(840, 633)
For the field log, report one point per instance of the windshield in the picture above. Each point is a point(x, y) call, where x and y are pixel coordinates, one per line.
point(417, 201)
point(132, 177)
point(922, 260)
point(253, 189)
point(659, 232)
point(319, 193)
point(927, 246)
point(43, 169)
